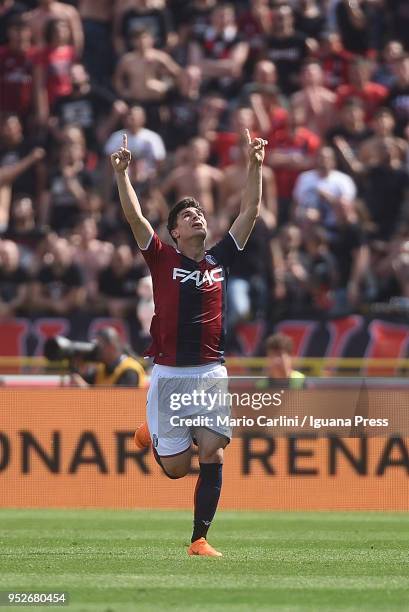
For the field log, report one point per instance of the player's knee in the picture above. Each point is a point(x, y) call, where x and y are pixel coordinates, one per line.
point(210, 455)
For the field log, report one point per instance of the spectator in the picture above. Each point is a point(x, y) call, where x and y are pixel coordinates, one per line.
point(232, 62)
point(383, 130)
point(13, 281)
point(118, 282)
point(264, 73)
point(398, 100)
point(69, 185)
point(291, 280)
point(317, 101)
point(90, 254)
point(24, 231)
point(131, 15)
point(399, 15)
point(350, 134)
point(291, 150)
point(310, 19)
point(195, 177)
point(349, 246)
point(353, 25)
point(321, 267)
point(360, 86)
point(287, 48)
point(220, 52)
point(180, 45)
point(147, 148)
point(385, 72)
point(255, 24)
point(280, 371)
point(386, 191)
point(53, 10)
point(17, 60)
point(180, 116)
point(198, 13)
point(265, 99)
point(325, 190)
point(334, 60)
point(58, 288)
point(85, 107)
point(97, 18)
point(144, 74)
point(226, 143)
point(8, 10)
point(211, 109)
point(18, 165)
point(54, 62)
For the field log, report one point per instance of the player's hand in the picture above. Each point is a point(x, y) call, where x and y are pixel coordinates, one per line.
point(256, 149)
point(122, 158)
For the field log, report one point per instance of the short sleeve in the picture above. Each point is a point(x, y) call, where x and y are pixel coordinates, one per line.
point(349, 188)
point(225, 251)
point(153, 251)
point(159, 151)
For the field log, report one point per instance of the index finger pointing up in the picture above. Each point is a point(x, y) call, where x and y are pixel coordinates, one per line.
point(125, 141)
point(248, 137)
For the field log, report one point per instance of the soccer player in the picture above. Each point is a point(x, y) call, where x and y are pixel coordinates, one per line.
point(188, 327)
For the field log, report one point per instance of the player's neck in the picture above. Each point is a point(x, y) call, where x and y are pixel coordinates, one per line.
point(193, 250)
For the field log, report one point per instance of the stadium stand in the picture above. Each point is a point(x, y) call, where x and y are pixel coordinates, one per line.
point(326, 83)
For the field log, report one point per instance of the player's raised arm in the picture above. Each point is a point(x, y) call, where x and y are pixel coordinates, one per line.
point(251, 200)
point(141, 228)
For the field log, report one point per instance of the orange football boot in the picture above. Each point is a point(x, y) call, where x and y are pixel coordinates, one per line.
point(142, 437)
point(202, 548)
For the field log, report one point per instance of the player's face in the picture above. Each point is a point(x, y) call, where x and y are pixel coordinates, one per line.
point(190, 223)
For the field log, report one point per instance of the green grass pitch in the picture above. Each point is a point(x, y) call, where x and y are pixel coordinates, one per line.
point(127, 561)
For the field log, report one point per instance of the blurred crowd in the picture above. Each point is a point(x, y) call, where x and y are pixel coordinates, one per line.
point(326, 82)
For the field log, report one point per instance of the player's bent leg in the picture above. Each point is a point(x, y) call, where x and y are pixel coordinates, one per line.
point(175, 466)
point(208, 488)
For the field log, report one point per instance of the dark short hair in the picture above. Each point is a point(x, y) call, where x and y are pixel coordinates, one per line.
point(353, 102)
point(18, 22)
point(383, 110)
point(139, 31)
point(279, 342)
point(51, 28)
point(188, 202)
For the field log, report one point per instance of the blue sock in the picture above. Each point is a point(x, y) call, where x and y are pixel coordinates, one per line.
point(207, 495)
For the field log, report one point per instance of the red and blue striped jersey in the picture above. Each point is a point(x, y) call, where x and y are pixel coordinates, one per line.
point(188, 327)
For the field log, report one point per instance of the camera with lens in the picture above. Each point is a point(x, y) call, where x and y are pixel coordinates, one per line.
point(59, 348)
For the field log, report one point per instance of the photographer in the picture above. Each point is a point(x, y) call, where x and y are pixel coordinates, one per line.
point(114, 366)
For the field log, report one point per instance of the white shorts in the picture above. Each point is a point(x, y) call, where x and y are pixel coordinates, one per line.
point(175, 406)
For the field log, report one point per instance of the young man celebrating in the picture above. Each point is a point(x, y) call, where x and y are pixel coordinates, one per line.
point(187, 329)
